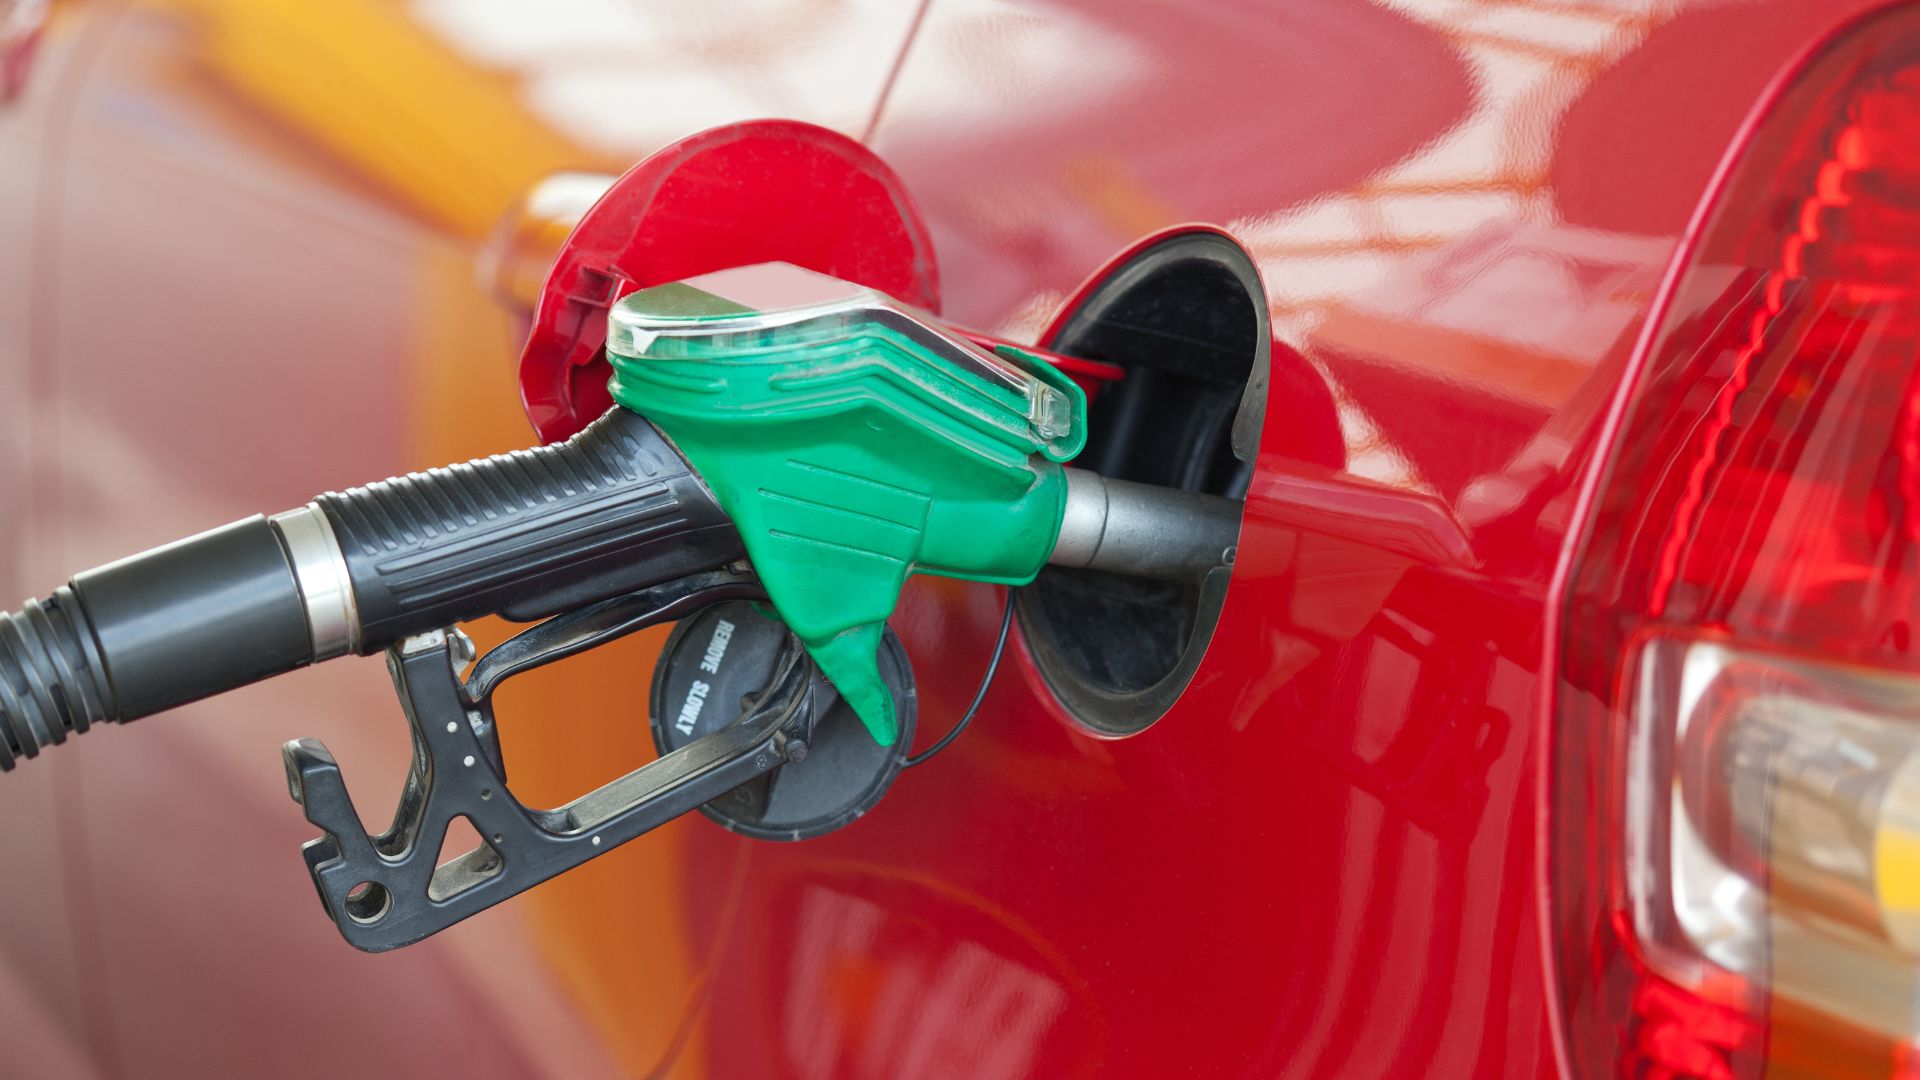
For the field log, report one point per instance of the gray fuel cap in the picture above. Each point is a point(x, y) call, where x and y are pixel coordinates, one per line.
point(722, 655)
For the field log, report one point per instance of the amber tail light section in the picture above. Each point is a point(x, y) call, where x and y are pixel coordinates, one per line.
point(1733, 781)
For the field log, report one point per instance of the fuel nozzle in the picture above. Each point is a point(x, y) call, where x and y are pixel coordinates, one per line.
point(854, 441)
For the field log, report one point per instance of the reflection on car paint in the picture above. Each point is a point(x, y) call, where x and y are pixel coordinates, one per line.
point(1321, 863)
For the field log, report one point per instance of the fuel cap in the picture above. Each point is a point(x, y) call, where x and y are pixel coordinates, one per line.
point(717, 659)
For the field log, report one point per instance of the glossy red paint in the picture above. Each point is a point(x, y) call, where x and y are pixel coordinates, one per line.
point(1324, 861)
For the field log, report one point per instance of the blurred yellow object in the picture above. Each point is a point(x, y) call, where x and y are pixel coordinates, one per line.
point(451, 141)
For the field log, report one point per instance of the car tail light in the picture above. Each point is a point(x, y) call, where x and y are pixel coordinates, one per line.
point(1734, 773)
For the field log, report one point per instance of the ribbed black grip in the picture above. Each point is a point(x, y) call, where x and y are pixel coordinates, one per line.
point(52, 683)
point(527, 534)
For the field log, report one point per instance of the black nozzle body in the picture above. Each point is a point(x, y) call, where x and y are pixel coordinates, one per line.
point(527, 534)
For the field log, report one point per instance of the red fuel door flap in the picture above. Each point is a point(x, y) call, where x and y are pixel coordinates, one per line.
point(763, 191)
point(759, 191)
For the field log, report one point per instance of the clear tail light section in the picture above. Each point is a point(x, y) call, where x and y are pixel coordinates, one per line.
point(1733, 779)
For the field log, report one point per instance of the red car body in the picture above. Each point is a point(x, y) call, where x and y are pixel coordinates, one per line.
point(252, 251)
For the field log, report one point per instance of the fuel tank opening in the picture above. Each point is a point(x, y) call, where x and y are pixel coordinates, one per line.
point(1186, 316)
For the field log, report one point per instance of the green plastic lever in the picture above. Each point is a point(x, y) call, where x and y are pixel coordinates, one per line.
point(854, 442)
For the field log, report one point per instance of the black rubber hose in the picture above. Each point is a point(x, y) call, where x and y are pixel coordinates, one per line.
point(52, 683)
point(132, 638)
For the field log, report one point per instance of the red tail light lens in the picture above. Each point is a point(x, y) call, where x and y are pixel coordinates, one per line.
point(1735, 770)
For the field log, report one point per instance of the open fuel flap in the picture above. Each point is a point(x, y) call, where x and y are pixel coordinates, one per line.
point(1183, 315)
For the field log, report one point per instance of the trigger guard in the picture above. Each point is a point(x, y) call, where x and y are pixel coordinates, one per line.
point(387, 891)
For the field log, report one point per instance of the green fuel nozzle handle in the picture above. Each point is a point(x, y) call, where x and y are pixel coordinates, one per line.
point(853, 442)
